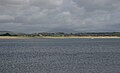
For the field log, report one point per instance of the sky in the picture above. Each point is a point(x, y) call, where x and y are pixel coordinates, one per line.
point(60, 15)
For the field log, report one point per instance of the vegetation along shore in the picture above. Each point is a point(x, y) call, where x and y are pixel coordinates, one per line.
point(12, 35)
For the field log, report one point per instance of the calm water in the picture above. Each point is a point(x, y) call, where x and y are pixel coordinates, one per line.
point(60, 56)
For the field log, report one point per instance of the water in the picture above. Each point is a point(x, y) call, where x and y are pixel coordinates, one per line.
point(60, 56)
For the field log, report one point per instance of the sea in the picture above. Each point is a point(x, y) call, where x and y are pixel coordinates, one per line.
point(83, 55)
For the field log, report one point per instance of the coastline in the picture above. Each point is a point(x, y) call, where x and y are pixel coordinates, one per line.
point(13, 37)
point(49, 37)
point(91, 37)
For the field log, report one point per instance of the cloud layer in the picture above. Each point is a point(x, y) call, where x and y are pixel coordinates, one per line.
point(60, 15)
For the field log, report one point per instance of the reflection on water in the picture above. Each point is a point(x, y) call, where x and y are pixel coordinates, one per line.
point(60, 56)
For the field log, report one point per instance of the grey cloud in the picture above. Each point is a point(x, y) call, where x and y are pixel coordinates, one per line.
point(13, 3)
point(60, 15)
point(46, 3)
point(6, 19)
point(97, 4)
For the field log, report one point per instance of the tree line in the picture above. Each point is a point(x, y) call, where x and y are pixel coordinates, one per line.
point(60, 34)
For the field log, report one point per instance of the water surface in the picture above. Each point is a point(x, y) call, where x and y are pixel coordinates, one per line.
point(60, 56)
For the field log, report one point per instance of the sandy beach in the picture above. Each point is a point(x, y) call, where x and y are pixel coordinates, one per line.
point(92, 37)
point(13, 37)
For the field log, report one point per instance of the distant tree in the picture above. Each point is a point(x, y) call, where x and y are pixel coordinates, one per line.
point(6, 34)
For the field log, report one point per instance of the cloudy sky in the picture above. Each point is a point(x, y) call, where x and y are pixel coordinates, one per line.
point(59, 15)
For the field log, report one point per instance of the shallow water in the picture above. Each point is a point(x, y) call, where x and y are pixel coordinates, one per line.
point(60, 56)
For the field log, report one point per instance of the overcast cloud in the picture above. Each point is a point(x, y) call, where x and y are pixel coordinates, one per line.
point(59, 15)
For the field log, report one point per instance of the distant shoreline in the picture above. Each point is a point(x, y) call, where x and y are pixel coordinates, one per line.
point(13, 37)
point(49, 37)
point(86, 37)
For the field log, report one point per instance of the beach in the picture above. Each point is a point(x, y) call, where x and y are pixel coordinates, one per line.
point(13, 37)
point(85, 37)
point(24, 37)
